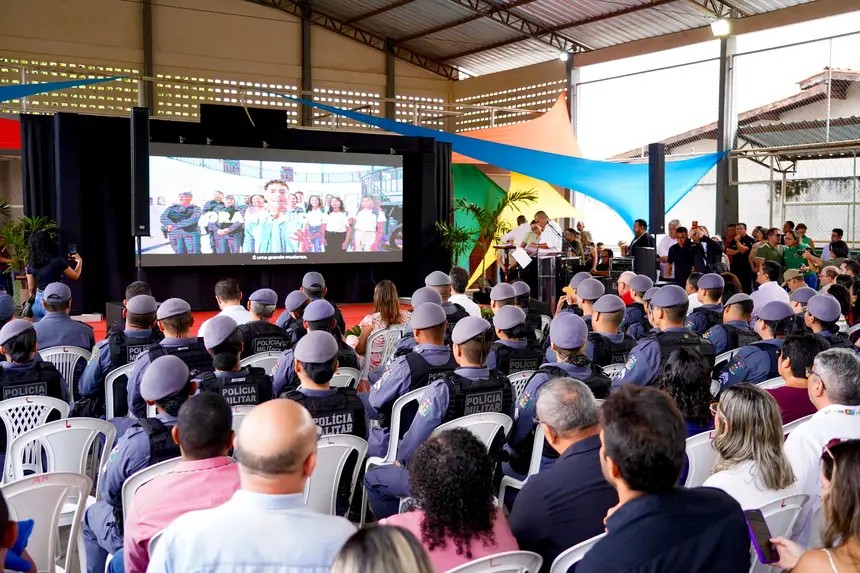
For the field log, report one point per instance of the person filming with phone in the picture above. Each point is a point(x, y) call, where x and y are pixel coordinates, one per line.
point(44, 267)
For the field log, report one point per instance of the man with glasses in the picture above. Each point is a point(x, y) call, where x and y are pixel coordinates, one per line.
point(623, 286)
point(834, 390)
point(827, 277)
point(835, 235)
point(795, 359)
point(771, 250)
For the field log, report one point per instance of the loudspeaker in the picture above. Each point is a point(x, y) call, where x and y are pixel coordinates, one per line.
point(656, 188)
point(140, 172)
point(645, 262)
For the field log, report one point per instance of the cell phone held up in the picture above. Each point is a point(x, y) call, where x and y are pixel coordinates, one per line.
point(760, 536)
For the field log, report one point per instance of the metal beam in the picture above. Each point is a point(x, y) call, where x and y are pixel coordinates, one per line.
point(716, 8)
point(460, 22)
point(377, 12)
point(147, 98)
point(390, 84)
point(727, 129)
point(307, 112)
point(363, 36)
point(622, 12)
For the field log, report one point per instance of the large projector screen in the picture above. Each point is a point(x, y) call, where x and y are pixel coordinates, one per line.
point(214, 205)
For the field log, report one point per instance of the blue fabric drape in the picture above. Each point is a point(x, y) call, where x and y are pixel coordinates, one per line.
point(18, 91)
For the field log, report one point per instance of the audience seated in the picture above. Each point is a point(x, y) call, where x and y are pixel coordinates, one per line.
point(798, 300)
point(735, 331)
point(795, 361)
point(313, 285)
point(635, 321)
point(259, 334)
point(294, 309)
point(529, 306)
point(751, 464)
point(567, 303)
point(691, 287)
point(623, 286)
point(823, 311)
point(407, 341)
point(58, 329)
point(686, 378)
point(587, 293)
point(834, 388)
point(513, 351)
point(441, 283)
point(456, 519)
point(459, 279)
point(205, 478)
point(265, 525)
point(228, 295)
point(386, 313)
point(502, 295)
point(382, 549)
point(656, 525)
point(566, 503)
point(710, 313)
point(607, 342)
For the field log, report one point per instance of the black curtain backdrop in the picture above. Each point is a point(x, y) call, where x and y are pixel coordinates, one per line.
point(82, 164)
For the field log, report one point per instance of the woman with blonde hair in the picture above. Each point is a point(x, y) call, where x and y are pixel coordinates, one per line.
point(382, 549)
point(751, 463)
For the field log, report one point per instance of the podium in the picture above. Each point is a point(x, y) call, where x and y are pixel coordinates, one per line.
point(547, 273)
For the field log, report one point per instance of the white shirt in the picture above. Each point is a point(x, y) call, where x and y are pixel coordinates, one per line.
point(768, 292)
point(315, 218)
point(694, 303)
point(825, 252)
point(366, 220)
point(743, 483)
point(663, 251)
point(552, 238)
point(336, 222)
point(516, 235)
point(804, 446)
point(235, 311)
point(467, 303)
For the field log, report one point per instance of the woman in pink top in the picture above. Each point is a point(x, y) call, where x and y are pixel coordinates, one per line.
point(451, 479)
point(386, 312)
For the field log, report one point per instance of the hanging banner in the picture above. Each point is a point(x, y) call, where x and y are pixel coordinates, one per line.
point(17, 91)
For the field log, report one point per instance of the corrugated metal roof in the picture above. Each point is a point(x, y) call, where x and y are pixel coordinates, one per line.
point(415, 17)
point(347, 9)
point(468, 36)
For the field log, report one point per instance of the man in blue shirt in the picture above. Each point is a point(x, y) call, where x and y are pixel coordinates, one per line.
point(635, 321)
point(735, 330)
point(566, 503)
point(658, 526)
point(58, 329)
point(710, 314)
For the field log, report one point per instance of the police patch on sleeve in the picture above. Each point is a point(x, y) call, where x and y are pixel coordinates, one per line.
point(95, 355)
point(707, 335)
point(525, 400)
point(424, 407)
point(736, 365)
point(631, 362)
point(276, 367)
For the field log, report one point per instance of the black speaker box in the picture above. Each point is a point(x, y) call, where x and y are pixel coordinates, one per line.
point(140, 172)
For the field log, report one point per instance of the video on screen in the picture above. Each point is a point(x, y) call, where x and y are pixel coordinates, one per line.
point(217, 205)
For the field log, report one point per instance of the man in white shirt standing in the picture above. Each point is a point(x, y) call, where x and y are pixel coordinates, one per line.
point(663, 249)
point(513, 237)
point(229, 297)
point(550, 233)
point(768, 287)
point(834, 389)
point(459, 278)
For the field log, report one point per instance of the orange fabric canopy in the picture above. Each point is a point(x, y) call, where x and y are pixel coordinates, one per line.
point(551, 132)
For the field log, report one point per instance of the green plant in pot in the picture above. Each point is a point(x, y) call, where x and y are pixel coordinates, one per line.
point(15, 233)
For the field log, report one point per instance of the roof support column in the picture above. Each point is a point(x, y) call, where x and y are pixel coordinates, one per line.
point(390, 81)
point(571, 88)
point(306, 118)
point(727, 128)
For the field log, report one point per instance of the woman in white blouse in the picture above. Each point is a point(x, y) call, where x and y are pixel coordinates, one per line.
point(336, 224)
point(751, 464)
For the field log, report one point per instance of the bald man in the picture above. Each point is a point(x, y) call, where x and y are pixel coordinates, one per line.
point(277, 452)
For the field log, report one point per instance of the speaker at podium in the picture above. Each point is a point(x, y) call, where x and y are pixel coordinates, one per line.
point(645, 262)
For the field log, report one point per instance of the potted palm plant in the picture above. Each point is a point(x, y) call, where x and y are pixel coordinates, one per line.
point(15, 234)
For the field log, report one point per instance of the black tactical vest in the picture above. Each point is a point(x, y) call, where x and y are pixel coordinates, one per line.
point(511, 360)
point(339, 413)
point(836, 339)
point(250, 390)
point(635, 314)
point(675, 340)
point(194, 355)
point(161, 444)
point(772, 352)
point(495, 394)
point(261, 336)
point(421, 372)
point(607, 352)
point(740, 337)
point(121, 352)
point(43, 379)
point(712, 317)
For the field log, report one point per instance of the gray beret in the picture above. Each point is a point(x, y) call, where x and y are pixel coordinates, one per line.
point(313, 280)
point(427, 315)
point(7, 306)
point(295, 300)
point(711, 280)
point(502, 291)
point(437, 278)
point(824, 307)
point(264, 296)
point(802, 295)
point(568, 331)
point(508, 317)
point(626, 277)
point(318, 310)
point(649, 294)
point(317, 347)
point(218, 329)
point(740, 297)
point(57, 292)
point(13, 328)
point(521, 288)
point(609, 303)
point(776, 310)
point(590, 289)
point(164, 377)
point(578, 278)
point(172, 307)
point(141, 304)
point(468, 328)
point(641, 283)
point(425, 294)
point(669, 295)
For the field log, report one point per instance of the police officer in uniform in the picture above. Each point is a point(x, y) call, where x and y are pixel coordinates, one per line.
point(607, 344)
point(294, 310)
point(147, 442)
point(313, 285)
point(260, 335)
point(470, 389)
point(237, 385)
point(568, 303)
point(635, 319)
point(175, 321)
point(501, 296)
point(22, 373)
point(759, 361)
point(214, 206)
point(587, 294)
point(710, 314)
point(180, 222)
point(569, 337)
point(822, 312)
point(668, 311)
point(524, 296)
point(441, 283)
point(407, 342)
point(7, 308)
point(513, 352)
point(798, 301)
point(646, 302)
point(410, 371)
point(319, 315)
point(735, 330)
point(119, 348)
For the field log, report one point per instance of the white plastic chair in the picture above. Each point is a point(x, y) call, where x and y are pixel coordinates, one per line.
point(391, 335)
point(777, 382)
point(485, 426)
point(853, 329)
point(534, 466)
point(789, 427)
point(42, 498)
point(332, 453)
point(264, 360)
point(507, 562)
point(22, 414)
point(151, 411)
point(153, 541)
point(614, 371)
point(520, 380)
point(65, 358)
point(345, 378)
point(574, 555)
point(110, 379)
point(780, 516)
point(724, 358)
point(239, 413)
point(545, 321)
point(701, 457)
point(137, 479)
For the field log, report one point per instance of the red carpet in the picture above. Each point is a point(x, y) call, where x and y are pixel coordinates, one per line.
point(352, 314)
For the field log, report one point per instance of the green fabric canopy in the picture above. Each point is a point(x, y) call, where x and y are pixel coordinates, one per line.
point(471, 184)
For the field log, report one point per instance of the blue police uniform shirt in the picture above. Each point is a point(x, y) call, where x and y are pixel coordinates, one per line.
point(283, 371)
point(631, 323)
point(314, 393)
point(636, 331)
point(394, 384)
point(58, 329)
point(697, 322)
point(719, 336)
point(283, 319)
point(431, 411)
point(589, 347)
point(493, 358)
point(643, 363)
point(136, 403)
point(93, 379)
point(30, 365)
point(751, 364)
